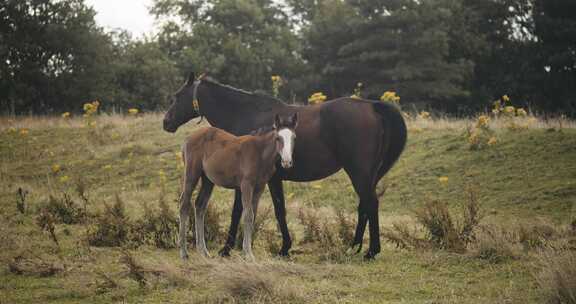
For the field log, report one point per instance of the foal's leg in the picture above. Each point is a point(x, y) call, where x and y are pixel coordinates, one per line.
point(199, 212)
point(277, 193)
point(235, 220)
point(190, 181)
point(248, 214)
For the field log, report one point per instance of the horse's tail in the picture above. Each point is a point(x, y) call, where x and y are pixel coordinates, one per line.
point(395, 135)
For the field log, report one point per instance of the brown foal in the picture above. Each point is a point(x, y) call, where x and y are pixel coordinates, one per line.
point(245, 163)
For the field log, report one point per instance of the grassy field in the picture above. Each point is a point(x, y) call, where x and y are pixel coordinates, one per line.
point(525, 183)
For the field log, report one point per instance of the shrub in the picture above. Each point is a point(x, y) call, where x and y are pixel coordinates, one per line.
point(45, 220)
point(21, 200)
point(112, 226)
point(157, 228)
point(439, 226)
point(64, 210)
point(332, 238)
point(312, 227)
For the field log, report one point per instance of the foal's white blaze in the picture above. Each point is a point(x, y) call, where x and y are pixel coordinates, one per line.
point(288, 137)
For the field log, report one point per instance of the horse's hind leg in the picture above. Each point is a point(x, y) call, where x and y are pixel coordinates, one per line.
point(364, 186)
point(190, 181)
point(199, 212)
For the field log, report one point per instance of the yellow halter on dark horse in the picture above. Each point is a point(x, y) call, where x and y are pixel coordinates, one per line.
point(195, 103)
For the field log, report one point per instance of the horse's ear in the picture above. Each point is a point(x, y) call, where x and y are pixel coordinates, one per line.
point(294, 120)
point(191, 78)
point(276, 122)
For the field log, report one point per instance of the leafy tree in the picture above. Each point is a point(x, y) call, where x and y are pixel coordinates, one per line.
point(144, 76)
point(555, 29)
point(242, 42)
point(50, 53)
point(399, 45)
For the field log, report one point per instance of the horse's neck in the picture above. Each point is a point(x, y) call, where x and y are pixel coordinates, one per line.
point(237, 113)
point(267, 146)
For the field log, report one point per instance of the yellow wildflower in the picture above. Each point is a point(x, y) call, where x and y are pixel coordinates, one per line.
point(66, 115)
point(64, 178)
point(24, 132)
point(275, 78)
point(521, 112)
point(88, 107)
point(473, 139)
point(505, 98)
point(316, 98)
point(424, 115)
point(443, 179)
point(133, 111)
point(390, 96)
point(482, 121)
point(493, 140)
point(56, 168)
point(509, 110)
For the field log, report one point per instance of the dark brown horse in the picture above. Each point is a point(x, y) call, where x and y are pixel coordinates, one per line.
point(235, 162)
point(363, 137)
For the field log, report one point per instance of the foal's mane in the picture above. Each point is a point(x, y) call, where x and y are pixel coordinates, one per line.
point(251, 100)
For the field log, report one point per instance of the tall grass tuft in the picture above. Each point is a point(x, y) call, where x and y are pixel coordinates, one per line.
point(441, 229)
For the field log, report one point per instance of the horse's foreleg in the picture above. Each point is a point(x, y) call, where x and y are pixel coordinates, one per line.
point(199, 212)
point(235, 220)
point(248, 216)
point(190, 181)
point(277, 193)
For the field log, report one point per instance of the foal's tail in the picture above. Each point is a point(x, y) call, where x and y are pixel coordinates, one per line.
point(395, 135)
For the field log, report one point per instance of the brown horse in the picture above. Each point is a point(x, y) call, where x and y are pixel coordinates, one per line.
point(363, 137)
point(246, 163)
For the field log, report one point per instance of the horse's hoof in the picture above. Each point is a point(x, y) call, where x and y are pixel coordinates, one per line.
point(224, 252)
point(370, 255)
point(283, 253)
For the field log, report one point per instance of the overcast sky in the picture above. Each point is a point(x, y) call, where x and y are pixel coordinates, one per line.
point(131, 15)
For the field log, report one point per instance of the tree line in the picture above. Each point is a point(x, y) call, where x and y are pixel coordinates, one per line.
point(456, 56)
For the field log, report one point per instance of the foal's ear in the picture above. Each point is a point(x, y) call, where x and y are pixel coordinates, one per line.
point(191, 78)
point(294, 120)
point(276, 122)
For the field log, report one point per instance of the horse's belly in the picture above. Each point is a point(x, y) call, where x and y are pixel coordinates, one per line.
point(311, 169)
point(220, 173)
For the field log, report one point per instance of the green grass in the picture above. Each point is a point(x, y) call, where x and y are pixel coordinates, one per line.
point(528, 176)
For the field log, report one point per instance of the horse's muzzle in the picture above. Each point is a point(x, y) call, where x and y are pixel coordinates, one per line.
point(168, 127)
point(286, 164)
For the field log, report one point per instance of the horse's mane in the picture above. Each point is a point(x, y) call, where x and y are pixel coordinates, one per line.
point(251, 100)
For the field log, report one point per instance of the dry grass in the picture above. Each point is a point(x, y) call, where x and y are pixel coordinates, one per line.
point(264, 282)
point(557, 277)
point(443, 122)
point(495, 245)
